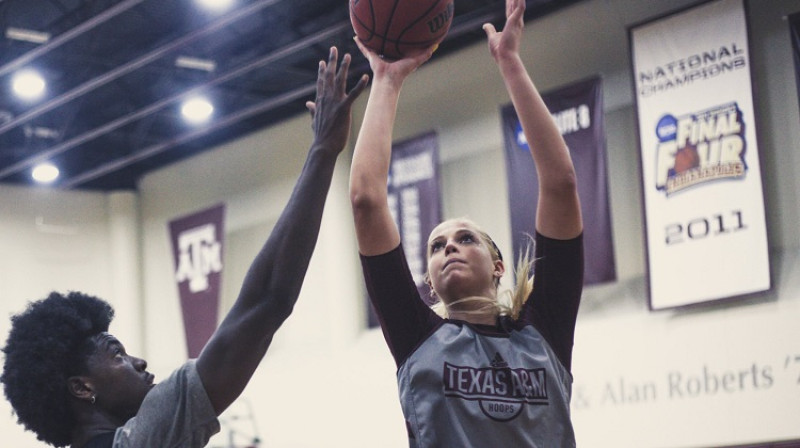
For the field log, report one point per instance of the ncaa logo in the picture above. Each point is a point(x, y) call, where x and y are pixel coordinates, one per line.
point(520, 138)
point(667, 128)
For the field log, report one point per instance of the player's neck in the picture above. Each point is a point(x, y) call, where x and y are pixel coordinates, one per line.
point(475, 310)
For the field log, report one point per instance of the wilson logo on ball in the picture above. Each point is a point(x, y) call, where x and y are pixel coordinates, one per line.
point(441, 21)
point(400, 28)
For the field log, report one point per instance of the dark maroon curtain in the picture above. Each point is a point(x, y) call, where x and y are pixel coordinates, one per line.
point(578, 111)
point(415, 201)
point(794, 27)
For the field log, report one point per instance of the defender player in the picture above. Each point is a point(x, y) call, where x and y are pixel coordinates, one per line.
point(72, 383)
point(481, 374)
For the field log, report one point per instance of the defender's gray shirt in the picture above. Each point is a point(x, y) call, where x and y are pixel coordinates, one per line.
point(465, 385)
point(176, 413)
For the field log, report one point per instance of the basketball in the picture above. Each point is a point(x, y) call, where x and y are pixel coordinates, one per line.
point(685, 159)
point(398, 28)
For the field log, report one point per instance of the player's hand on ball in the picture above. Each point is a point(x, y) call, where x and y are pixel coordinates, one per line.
point(394, 70)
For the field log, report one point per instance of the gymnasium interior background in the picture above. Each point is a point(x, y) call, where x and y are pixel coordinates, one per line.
point(642, 378)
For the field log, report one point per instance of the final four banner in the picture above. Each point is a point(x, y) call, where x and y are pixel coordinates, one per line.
point(197, 248)
point(703, 200)
point(415, 201)
point(578, 112)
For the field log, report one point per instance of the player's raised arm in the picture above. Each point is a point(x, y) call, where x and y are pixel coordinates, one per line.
point(273, 281)
point(375, 229)
point(558, 213)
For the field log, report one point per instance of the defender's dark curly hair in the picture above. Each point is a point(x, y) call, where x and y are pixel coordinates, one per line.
point(48, 343)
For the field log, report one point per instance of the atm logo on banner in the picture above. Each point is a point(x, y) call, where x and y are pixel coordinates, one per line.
point(697, 148)
point(199, 255)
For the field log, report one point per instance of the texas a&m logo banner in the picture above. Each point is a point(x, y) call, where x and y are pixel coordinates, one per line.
point(197, 249)
point(703, 200)
point(578, 112)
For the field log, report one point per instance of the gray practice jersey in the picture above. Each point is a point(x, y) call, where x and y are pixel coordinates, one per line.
point(175, 414)
point(465, 385)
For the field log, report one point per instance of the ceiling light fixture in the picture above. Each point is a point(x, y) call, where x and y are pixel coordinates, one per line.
point(28, 84)
point(45, 173)
point(216, 5)
point(22, 34)
point(40, 132)
point(205, 65)
point(197, 110)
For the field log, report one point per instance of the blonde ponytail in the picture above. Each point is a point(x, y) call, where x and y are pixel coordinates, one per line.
point(523, 273)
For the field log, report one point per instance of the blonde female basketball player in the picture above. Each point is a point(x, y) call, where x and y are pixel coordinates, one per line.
point(480, 374)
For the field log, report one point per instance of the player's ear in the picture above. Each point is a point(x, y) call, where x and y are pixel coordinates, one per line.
point(499, 269)
point(80, 387)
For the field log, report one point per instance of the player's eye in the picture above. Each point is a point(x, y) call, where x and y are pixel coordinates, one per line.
point(436, 245)
point(466, 237)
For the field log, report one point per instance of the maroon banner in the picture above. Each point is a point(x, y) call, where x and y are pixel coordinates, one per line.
point(794, 27)
point(578, 112)
point(197, 248)
point(415, 202)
